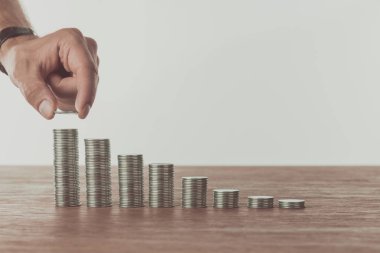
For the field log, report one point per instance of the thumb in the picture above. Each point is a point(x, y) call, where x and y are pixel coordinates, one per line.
point(39, 95)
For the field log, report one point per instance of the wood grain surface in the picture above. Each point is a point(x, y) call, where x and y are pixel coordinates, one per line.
point(342, 214)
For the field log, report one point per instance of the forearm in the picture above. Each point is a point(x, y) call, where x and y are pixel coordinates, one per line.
point(11, 14)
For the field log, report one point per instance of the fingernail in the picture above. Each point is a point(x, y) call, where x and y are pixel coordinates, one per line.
point(46, 109)
point(86, 110)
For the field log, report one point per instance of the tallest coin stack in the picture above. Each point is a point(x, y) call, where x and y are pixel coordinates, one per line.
point(67, 191)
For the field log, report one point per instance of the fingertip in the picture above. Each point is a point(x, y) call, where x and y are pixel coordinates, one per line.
point(50, 117)
point(47, 109)
point(84, 111)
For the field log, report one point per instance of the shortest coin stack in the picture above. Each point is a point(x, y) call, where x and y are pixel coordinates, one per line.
point(260, 202)
point(194, 192)
point(291, 203)
point(226, 198)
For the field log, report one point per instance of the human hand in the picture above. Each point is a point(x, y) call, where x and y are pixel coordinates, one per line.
point(59, 70)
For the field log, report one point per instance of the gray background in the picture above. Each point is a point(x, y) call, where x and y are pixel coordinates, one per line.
point(217, 82)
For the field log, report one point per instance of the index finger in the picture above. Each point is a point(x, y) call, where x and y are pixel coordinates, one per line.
point(85, 73)
point(87, 80)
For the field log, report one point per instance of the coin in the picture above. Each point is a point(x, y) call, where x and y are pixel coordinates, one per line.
point(65, 112)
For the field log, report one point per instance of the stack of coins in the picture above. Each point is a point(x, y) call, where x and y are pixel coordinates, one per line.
point(67, 190)
point(98, 173)
point(161, 185)
point(131, 180)
point(291, 203)
point(260, 202)
point(194, 192)
point(226, 198)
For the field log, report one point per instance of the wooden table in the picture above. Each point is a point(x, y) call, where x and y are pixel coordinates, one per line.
point(342, 215)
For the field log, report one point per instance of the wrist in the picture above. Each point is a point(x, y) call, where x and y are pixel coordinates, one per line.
point(11, 42)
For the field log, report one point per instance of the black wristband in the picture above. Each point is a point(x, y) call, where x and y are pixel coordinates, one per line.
point(11, 32)
point(2, 69)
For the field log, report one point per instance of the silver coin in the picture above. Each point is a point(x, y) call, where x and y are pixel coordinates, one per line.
point(65, 112)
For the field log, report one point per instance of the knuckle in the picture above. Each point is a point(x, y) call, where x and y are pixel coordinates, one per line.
point(97, 61)
point(92, 43)
point(72, 32)
point(75, 31)
point(92, 68)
